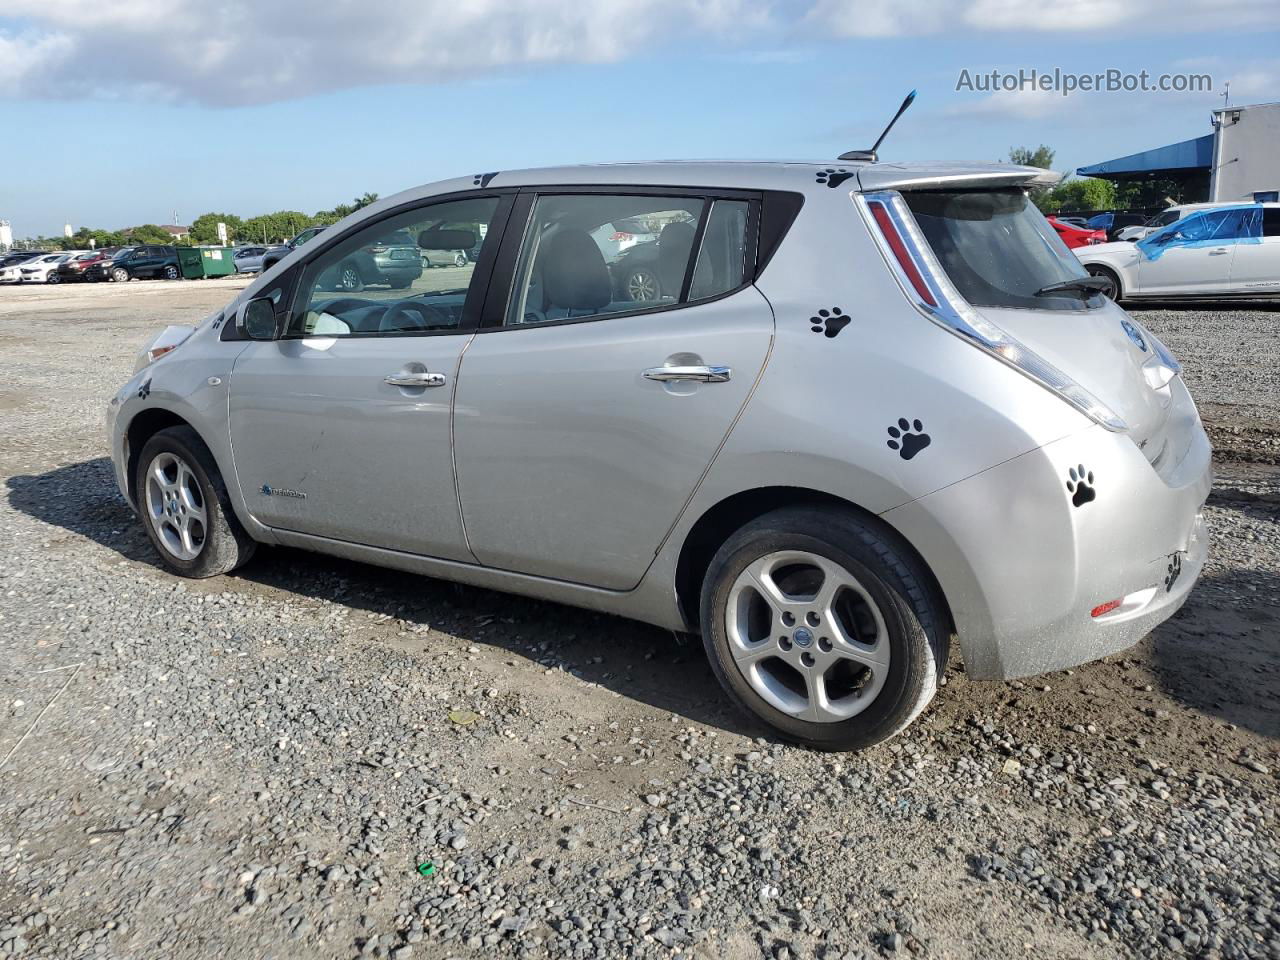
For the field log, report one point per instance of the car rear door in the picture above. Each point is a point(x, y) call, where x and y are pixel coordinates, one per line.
point(1255, 268)
point(583, 420)
point(341, 427)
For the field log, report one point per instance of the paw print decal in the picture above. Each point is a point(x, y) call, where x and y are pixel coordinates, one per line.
point(482, 179)
point(1174, 572)
point(833, 176)
point(829, 322)
point(908, 438)
point(144, 391)
point(1080, 485)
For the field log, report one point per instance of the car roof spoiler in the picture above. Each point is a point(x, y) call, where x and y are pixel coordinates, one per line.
point(934, 176)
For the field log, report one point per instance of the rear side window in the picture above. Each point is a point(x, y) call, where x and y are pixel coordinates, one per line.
point(1271, 221)
point(996, 247)
point(586, 256)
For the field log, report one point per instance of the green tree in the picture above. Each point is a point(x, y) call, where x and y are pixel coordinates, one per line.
point(148, 233)
point(1041, 157)
point(1078, 193)
point(204, 228)
point(274, 227)
point(102, 238)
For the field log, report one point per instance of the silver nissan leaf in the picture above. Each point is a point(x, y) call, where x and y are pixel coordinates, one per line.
point(861, 409)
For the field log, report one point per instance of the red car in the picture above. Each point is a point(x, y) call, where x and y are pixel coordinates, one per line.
point(74, 269)
point(1075, 236)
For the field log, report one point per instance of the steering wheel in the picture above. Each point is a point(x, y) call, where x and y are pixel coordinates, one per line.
point(400, 316)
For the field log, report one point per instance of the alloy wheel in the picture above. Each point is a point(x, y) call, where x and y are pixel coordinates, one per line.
point(350, 278)
point(119, 274)
point(642, 285)
point(807, 636)
point(175, 505)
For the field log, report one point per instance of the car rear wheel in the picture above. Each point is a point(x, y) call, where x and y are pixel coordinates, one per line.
point(1112, 289)
point(349, 278)
point(185, 508)
point(642, 284)
point(171, 272)
point(822, 624)
point(459, 259)
point(53, 278)
point(119, 274)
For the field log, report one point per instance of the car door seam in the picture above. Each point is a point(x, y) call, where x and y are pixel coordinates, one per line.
point(724, 439)
point(453, 447)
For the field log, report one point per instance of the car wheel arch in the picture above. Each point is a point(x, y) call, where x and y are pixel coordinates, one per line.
point(719, 522)
point(145, 425)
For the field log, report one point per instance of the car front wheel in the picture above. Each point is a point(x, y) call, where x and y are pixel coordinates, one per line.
point(642, 284)
point(119, 274)
point(1112, 289)
point(822, 624)
point(185, 508)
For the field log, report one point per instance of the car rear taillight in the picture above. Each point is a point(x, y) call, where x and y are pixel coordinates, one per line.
point(885, 222)
point(925, 282)
point(620, 235)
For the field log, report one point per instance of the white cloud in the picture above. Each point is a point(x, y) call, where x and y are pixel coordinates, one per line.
point(249, 51)
point(1015, 104)
point(881, 18)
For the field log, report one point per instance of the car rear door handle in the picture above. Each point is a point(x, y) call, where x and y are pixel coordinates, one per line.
point(415, 380)
point(698, 374)
point(1218, 252)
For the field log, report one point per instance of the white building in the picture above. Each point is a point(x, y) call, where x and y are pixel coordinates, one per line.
point(6, 235)
point(1246, 153)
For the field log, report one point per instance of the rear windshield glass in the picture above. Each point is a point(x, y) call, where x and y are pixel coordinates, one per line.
point(997, 248)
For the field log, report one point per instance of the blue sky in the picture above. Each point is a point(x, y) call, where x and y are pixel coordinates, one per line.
point(120, 115)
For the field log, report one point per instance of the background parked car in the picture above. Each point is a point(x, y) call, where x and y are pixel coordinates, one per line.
point(444, 258)
point(1113, 222)
point(74, 268)
point(1081, 222)
point(394, 260)
point(42, 269)
point(1074, 236)
point(9, 266)
point(1167, 216)
point(249, 259)
point(138, 263)
point(276, 254)
point(1219, 252)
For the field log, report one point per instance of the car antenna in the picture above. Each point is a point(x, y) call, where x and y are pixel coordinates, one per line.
point(869, 156)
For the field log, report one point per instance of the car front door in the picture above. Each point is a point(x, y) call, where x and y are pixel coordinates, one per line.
point(585, 419)
point(1190, 257)
point(341, 426)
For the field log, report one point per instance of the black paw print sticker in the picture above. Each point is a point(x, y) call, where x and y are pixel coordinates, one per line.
point(829, 322)
point(833, 176)
point(1174, 572)
point(908, 438)
point(144, 391)
point(482, 179)
point(1080, 485)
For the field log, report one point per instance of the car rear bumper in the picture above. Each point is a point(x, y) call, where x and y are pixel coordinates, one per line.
point(1023, 568)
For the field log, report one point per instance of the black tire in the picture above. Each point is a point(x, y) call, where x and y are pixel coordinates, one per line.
point(53, 277)
point(1117, 291)
point(460, 260)
point(120, 275)
point(226, 544)
point(886, 567)
point(171, 272)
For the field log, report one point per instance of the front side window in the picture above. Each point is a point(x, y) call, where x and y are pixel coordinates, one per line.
point(594, 255)
point(997, 248)
point(384, 279)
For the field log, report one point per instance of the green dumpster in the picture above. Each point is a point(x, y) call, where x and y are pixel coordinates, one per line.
point(198, 262)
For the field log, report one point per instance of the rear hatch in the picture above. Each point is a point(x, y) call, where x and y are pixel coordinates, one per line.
point(986, 252)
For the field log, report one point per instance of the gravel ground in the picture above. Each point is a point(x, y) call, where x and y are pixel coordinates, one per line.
point(258, 765)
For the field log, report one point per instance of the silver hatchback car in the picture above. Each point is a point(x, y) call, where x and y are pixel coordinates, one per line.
point(877, 407)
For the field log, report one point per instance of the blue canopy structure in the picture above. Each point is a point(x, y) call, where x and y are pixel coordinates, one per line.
point(1174, 160)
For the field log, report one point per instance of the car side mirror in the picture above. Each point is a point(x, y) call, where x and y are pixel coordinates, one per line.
point(258, 319)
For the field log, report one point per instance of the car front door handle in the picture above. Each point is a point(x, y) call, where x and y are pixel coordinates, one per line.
point(698, 374)
point(1218, 252)
point(415, 380)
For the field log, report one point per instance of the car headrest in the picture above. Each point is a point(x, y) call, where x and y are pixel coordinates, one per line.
point(574, 274)
point(446, 239)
